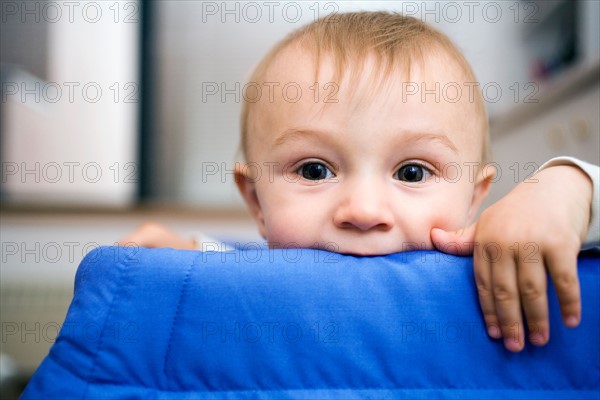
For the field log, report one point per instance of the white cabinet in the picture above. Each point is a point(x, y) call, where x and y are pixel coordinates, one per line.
point(70, 136)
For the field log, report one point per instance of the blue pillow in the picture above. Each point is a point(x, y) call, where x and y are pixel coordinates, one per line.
point(171, 324)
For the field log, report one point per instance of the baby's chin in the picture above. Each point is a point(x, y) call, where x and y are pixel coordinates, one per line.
point(367, 246)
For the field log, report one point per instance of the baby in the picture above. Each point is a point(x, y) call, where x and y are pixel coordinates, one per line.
point(375, 142)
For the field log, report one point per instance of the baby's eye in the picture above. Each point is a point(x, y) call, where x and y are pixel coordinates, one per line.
point(411, 173)
point(315, 171)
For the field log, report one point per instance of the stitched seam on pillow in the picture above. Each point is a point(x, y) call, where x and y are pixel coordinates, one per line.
point(454, 390)
point(123, 268)
point(177, 311)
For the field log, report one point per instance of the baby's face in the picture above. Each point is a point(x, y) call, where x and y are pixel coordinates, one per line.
point(368, 174)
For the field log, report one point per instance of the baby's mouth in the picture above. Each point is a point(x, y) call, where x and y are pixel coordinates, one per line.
point(370, 246)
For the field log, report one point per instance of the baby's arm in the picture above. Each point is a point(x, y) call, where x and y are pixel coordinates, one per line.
point(151, 234)
point(538, 226)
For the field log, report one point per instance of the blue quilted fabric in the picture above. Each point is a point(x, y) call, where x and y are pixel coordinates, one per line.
point(302, 324)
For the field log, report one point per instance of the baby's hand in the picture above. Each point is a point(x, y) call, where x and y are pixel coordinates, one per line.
point(538, 226)
point(151, 234)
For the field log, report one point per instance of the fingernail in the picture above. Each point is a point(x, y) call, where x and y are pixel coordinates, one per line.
point(571, 321)
point(494, 332)
point(537, 338)
point(512, 344)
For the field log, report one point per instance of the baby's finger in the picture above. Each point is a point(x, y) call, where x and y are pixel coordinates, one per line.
point(483, 279)
point(562, 265)
point(507, 302)
point(454, 242)
point(532, 287)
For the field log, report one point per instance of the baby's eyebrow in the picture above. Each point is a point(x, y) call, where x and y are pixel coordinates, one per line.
point(429, 137)
point(407, 136)
point(292, 134)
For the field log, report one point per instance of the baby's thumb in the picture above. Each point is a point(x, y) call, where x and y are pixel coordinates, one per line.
point(459, 242)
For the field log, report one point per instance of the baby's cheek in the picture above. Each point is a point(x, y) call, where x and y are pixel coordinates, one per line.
point(286, 229)
point(447, 222)
point(277, 231)
point(451, 213)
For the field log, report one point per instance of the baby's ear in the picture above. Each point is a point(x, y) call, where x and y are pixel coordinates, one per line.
point(482, 188)
point(246, 184)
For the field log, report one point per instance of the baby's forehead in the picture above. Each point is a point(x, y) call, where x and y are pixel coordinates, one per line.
point(297, 76)
point(296, 62)
point(297, 71)
point(304, 90)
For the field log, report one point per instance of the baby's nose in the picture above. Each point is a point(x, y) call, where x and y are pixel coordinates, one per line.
point(364, 209)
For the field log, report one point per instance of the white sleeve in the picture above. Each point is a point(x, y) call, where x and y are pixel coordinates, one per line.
point(206, 243)
point(593, 171)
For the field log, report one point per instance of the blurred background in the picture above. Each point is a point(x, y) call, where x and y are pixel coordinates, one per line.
point(118, 112)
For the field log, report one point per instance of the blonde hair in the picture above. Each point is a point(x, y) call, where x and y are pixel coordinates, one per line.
point(395, 40)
